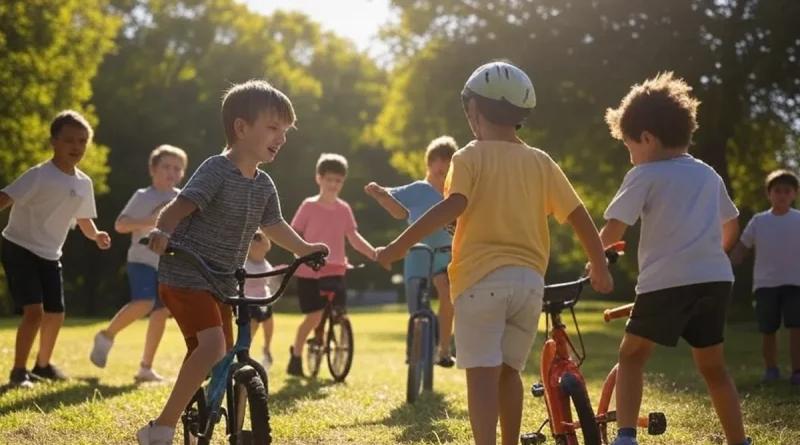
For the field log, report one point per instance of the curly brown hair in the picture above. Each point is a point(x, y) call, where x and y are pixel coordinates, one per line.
point(662, 106)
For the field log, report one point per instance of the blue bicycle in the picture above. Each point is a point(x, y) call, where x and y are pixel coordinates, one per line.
point(238, 377)
point(423, 331)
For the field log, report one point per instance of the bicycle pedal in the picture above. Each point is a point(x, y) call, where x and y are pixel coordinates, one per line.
point(656, 424)
point(532, 439)
point(537, 389)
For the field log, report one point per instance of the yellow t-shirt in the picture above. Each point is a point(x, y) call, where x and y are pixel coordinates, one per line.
point(511, 188)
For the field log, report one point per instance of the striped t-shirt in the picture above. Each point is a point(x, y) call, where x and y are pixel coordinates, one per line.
point(229, 209)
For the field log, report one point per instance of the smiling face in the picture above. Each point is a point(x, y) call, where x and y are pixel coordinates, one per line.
point(264, 138)
point(69, 145)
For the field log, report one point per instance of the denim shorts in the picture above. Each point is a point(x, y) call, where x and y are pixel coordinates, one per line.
point(143, 280)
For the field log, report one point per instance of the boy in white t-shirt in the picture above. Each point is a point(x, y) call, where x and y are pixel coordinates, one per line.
point(775, 236)
point(688, 224)
point(45, 202)
point(167, 165)
point(261, 288)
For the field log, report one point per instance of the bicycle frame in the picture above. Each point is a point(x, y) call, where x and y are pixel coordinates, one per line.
point(423, 295)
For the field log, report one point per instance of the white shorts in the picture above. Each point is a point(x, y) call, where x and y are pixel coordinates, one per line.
point(497, 318)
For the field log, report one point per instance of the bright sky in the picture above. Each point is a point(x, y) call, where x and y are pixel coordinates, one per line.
point(357, 20)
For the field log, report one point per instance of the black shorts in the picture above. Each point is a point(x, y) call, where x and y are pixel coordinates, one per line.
point(32, 279)
point(774, 302)
point(308, 291)
point(696, 312)
point(260, 313)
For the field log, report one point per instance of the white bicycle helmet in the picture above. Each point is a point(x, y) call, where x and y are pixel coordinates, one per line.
point(502, 81)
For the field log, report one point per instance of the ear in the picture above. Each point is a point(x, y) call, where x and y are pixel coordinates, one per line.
point(318, 178)
point(240, 128)
point(52, 142)
point(646, 137)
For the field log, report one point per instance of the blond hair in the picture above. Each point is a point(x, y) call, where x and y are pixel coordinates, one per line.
point(165, 150)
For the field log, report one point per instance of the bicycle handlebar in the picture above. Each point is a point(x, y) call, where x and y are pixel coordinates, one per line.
point(570, 292)
point(314, 260)
point(617, 312)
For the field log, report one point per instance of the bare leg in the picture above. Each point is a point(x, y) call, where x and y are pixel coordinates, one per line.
point(769, 350)
point(26, 333)
point(155, 331)
point(309, 323)
point(724, 397)
point(51, 325)
point(483, 401)
point(510, 405)
point(633, 355)
point(794, 348)
point(269, 328)
point(126, 316)
point(446, 312)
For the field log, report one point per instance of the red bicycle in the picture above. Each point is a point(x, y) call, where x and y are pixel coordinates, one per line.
point(563, 385)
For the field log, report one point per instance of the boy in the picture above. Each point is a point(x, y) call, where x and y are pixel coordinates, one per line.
point(775, 234)
point(216, 215)
point(45, 202)
point(167, 165)
point(411, 202)
point(324, 218)
point(688, 223)
point(261, 288)
point(500, 191)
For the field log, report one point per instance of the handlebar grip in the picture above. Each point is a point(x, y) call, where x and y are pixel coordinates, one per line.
point(617, 312)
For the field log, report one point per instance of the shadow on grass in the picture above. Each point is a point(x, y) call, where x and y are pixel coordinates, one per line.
point(296, 390)
point(74, 392)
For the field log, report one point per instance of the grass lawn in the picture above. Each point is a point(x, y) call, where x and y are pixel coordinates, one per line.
point(106, 407)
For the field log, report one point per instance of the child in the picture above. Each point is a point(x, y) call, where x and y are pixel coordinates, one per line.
point(261, 288)
point(775, 234)
point(501, 191)
point(215, 216)
point(167, 165)
point(327, 219)
point(411, 202)
point(688, 223)
point(45, 202)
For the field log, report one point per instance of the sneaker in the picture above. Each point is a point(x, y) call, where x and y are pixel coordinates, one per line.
point(49, 372)
point(625, 440)
point(445, 361)
point(147, 375)
point(771, 375)
point(794, 380)
point(99, 354)
point(20, 378)
point(267, 362)
point(295, 364)
point(152, 434)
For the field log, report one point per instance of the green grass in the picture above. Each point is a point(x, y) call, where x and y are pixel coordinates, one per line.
point(105, 407)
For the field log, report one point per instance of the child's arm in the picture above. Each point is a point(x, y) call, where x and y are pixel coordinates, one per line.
point(386, 200)
point(168, 219)
point(5, 201)
point(360, 244)
point(730, 233)
point(613, 231)
point(587, 234)
point(128, 224)
point(283, 235)
point(90, 231)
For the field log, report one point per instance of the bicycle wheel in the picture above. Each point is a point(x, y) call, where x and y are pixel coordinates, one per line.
point(248, 382)
point(572, 387)
point(314, 351)
point(416, 359)
point(194, 419)
point(340, 348)
point(429, 346)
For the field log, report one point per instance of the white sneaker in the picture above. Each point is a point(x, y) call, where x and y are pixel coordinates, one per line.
point(267, 362)
point(152, 434)
point(102, 345)
point(147, 375)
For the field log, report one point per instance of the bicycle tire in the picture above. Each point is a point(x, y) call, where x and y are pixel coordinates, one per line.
point(334, 347)
point(415, 361)
point(571, 386)
point(314, 352)
point(198, 417)
point(429, 346)
point(260, 431)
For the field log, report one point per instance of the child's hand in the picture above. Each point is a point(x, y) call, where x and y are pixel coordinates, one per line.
point(374, 190)
point(388, 255)
point(158, 241)
point(600, 278)
point(103, 240)
point(317, 247)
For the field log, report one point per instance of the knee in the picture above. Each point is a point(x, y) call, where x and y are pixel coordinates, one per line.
point(632, 356)
point(213, 347)
point(33, 313)
point(713, 372)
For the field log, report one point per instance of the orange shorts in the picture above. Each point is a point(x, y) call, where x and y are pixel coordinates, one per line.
point(196, 310)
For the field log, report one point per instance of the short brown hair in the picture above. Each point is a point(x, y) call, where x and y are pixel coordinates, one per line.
point(782, 176)
point(331, 163)
point(165, 150)
point(71, 118)
point(248, 100)
point(661, 106)
point(443, 147)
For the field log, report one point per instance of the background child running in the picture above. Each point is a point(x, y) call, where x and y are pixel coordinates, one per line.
point(501, 192)
point(167, 165)
point(215, 216)
point(688, 223)
point(45, 202)
point(775, 236)
point(410, 202)
point(261, 288)
point(328, 219)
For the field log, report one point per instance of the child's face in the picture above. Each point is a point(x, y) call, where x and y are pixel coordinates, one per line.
point(781, 196)
point(70, 144)
point(437, 170)
point(330, 183)
point(265, 137)
point(168, 172)
point(259, 246)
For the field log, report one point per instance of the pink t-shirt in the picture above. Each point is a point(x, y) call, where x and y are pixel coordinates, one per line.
point(328, 223)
